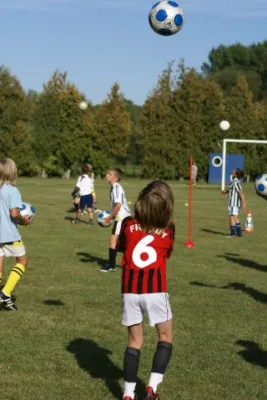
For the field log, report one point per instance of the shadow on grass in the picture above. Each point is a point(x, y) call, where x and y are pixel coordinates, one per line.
point(213, 232)
point(252, 353)
point(89, 258)
point(96, 362)
point(244, 262)
point(53, 303)
point(255, 294)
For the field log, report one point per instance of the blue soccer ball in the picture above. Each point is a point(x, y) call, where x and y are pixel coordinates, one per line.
point(166, 18)
point(261, 184)
point(27, 210)
point(101, 216)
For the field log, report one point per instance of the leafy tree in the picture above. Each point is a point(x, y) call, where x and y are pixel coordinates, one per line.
point(15, 133)
point(112, 126)
point(62, 130)
point(227, 61)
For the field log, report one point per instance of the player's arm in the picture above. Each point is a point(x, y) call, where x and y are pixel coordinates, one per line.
point(172, 238)
point(16, 215)
point(243, 201)
point(113, 213)
point(93, 191)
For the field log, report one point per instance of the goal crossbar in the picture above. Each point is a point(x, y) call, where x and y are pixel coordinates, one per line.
point(225, 141)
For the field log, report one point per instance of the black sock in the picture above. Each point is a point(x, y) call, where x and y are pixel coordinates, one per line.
point(112, 257)
point(238, 229)
point(162, 357)
point(232, 230)
point(131, 364)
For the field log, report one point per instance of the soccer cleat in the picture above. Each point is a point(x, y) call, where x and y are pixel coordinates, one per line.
point(150, 395)
point(7, 302)
point(91, 222)
point(107, 268)
point(230, 236)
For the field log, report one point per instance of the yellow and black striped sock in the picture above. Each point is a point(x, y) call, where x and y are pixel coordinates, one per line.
point(13, 279)
point(1, 274)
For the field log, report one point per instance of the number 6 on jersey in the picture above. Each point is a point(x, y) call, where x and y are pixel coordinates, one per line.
point(143, 248)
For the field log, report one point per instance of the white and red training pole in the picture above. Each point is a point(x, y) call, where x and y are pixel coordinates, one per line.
point(189, 242)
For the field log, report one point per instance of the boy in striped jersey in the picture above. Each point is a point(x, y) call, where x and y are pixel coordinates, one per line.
point(236, 200)
point(146, 242)
point(119, 211)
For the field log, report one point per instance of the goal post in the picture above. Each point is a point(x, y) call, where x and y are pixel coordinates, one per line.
point(225, 141)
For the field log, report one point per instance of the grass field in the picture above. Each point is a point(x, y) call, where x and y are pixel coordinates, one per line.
point(66, 341)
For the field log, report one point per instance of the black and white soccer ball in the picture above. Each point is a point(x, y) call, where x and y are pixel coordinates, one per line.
point(261, 184)
point(27, 210)
point(166, 18)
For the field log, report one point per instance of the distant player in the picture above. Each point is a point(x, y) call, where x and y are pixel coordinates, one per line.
point(86, 190)
point(11, 244)
point(119, 211)
point(146, 242)
point(236, 201)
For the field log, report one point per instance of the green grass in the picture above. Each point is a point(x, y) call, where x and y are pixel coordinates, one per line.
point(66, 341)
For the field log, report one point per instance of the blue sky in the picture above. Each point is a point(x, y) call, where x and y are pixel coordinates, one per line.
point(99, 42)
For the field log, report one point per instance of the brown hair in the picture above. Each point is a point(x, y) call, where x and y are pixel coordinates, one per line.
point(239, 173)
point(8, 171)
point(85, 169)
point(118, 173)
point(153, 209)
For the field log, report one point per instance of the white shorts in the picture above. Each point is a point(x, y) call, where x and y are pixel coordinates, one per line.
point(233, 211)
point(15, 249)
point(116, 227)
point(156, 305)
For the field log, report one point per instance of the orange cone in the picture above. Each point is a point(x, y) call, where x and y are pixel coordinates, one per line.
point(249, 222)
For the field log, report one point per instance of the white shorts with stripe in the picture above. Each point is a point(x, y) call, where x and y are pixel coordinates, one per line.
point(14, 249)
point(155, 305)
point(233, 211)
point(116, 227)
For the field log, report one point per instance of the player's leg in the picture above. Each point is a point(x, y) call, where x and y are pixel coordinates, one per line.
point(132, 318)
point(18, 251)
point(238, 224)
point(232, 222)
point(160, 315)
point(111, 266)
point(131, 360)
point(79, 210)
point(90, 203)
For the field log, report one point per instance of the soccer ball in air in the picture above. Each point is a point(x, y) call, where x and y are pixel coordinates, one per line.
point(27, 210)
point(101, 216)
point(83, 105)
point(224, 125)
point(261, 184)
point(166, 18)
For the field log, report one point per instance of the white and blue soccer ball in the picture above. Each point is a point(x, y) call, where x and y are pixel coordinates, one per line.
point(166, 18)
point(27, 210)
point(101, 216)
point(261, 184)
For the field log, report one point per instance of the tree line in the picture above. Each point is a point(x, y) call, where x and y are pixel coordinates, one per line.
point(46, 133)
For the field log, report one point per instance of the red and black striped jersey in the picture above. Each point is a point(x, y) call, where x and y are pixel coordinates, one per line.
point(144, 258)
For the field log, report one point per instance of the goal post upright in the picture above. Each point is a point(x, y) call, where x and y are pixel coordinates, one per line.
point(225, 141)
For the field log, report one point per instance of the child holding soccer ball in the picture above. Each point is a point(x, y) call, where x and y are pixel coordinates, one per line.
point(146, 242)
point(119, 211)
point(11, 244)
